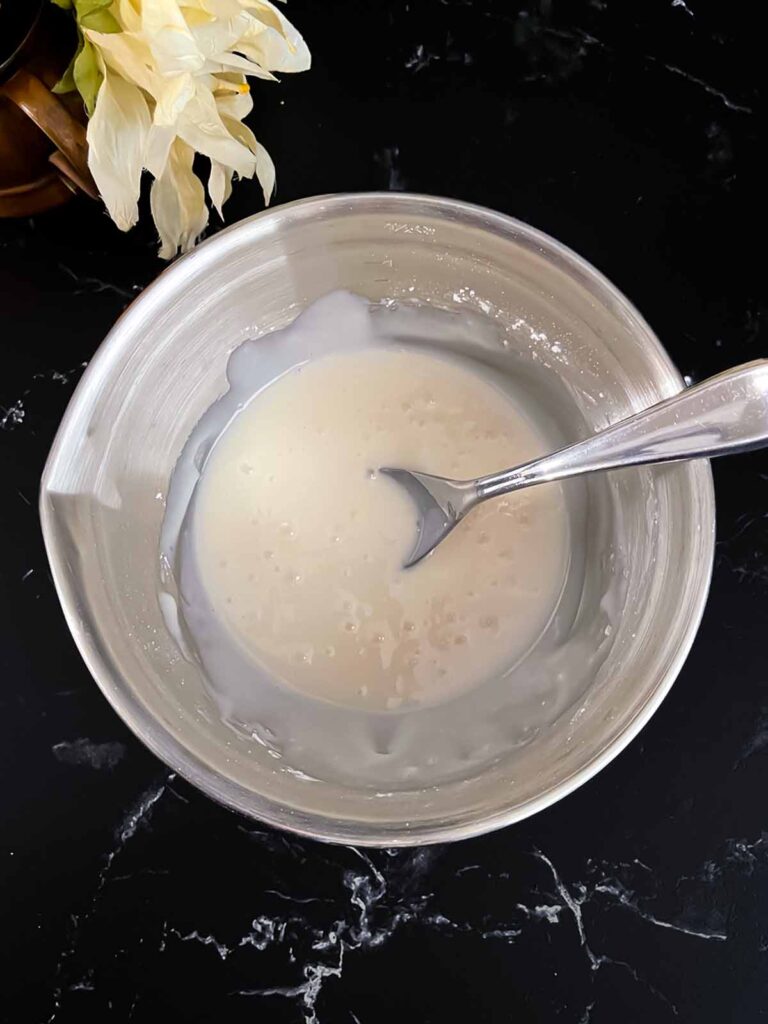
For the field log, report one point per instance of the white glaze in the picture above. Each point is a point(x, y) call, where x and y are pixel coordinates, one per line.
point(300, 542)
point(402, 731)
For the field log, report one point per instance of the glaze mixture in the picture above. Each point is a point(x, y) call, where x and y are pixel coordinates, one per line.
point(300, 542)
point(282, 552)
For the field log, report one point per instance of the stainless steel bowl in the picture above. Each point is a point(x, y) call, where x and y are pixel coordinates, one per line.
point(163, 363)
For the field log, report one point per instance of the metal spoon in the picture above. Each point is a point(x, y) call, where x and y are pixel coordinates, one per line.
point(722, 416)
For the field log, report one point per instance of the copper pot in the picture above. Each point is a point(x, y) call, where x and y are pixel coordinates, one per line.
point(43, 150)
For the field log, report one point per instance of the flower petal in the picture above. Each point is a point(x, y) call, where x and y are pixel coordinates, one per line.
point(169, 37)
point(272, 40)
point(218, 34)
point(265, 168)
point(265, 172)
point(219, 185)
point(233, 61)
point(215, 8)
point(117, 139)
point(126, 54)
point(177, 201)
point(159, 144)
point(201, 127)
point(235, 105)
point(128, 14)
point(172, 95)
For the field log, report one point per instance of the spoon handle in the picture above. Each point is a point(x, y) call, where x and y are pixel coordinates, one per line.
point(721, 416)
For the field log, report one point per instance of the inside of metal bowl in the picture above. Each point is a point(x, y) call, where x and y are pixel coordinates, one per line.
point(559, 327)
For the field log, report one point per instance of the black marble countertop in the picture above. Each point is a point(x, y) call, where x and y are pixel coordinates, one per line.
point(631, 132)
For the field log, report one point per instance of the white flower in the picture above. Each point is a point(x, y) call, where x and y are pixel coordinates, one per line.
point(174, 84)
